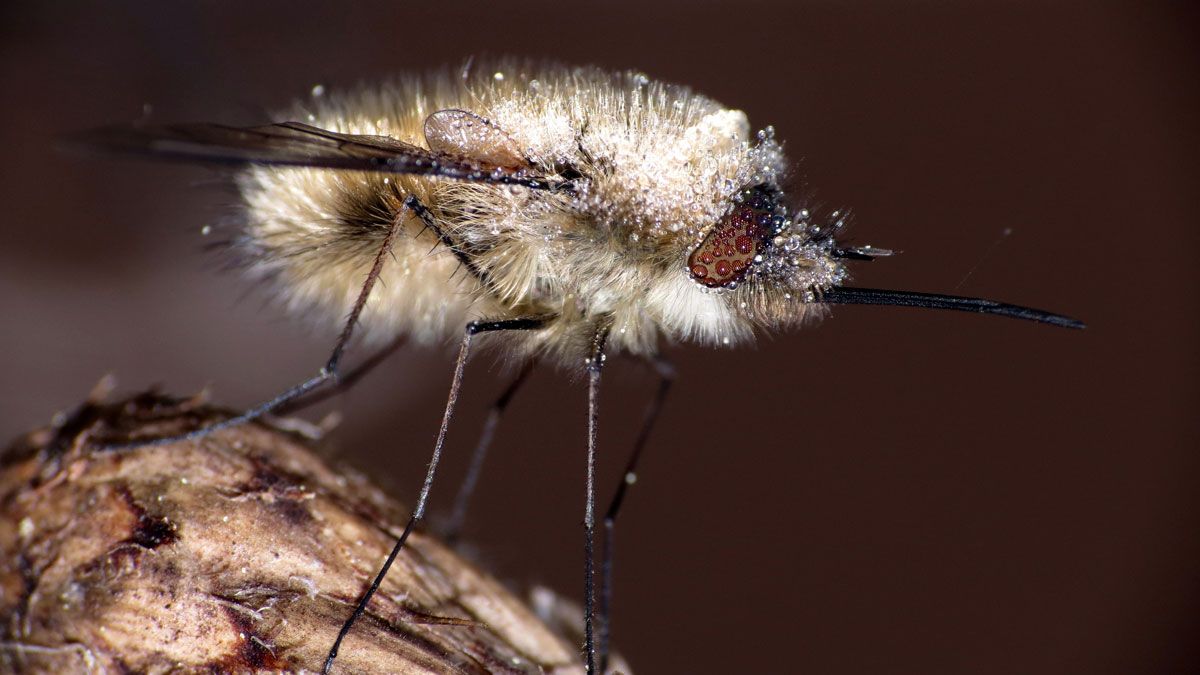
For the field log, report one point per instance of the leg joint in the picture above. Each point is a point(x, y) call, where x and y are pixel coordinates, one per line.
point(595, 364)
point(663, 368)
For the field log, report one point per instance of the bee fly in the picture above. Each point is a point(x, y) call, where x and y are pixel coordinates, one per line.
point(588, 214)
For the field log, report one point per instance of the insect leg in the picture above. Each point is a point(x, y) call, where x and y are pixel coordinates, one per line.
point(328, 373)
point(459, 514)
point(345, 382)
point(666, 376)
point(595, 364)
point(472, 329)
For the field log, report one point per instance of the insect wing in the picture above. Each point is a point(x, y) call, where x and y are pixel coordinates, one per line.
point(454, 131)
point(298, 144)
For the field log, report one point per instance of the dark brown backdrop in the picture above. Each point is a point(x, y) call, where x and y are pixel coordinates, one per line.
point(918, 493)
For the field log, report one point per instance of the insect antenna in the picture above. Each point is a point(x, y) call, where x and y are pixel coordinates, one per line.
point(842, 295)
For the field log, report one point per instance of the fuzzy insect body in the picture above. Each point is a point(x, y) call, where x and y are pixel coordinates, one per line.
point(575, 212)
point(647, 170)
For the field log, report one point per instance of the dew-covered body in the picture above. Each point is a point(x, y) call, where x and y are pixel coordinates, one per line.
point(652, 170)
point(572, 212)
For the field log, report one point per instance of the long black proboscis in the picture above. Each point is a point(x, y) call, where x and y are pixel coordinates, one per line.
point(842, 295)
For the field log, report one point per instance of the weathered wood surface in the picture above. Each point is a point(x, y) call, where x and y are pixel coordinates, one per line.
point(241, 552)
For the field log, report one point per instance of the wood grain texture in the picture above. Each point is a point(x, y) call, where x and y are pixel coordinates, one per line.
point(242, 552)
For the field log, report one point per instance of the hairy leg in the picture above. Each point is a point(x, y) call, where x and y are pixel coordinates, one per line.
point(329, 373)
point(472, 329)
point(666, 376)
point(346, 381)
point(595, 365)
point(459, 515)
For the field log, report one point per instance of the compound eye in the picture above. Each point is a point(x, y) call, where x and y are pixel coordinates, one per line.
point(726, 254)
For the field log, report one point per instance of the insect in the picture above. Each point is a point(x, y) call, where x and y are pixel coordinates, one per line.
point(572, 212)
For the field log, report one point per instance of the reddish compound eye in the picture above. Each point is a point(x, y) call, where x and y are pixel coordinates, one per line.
point(732, 245)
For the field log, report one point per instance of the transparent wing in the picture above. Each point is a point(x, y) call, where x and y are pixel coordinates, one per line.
point(298, 144)
point(461, 132)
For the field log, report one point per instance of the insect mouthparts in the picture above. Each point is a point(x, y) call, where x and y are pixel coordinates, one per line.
point(843, 295)
point(674, 229)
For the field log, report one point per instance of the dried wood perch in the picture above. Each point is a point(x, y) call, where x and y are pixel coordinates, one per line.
point(242, 552)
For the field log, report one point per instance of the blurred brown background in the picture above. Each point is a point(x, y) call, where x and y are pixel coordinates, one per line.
point(921, 493)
